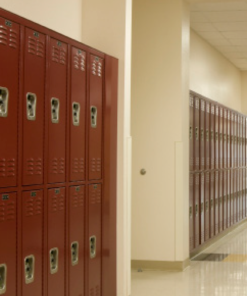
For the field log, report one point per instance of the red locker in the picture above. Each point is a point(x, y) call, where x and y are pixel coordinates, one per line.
point(232, 197)
point(33, 107)
point(244, 142)
point(196, 136)
point(8, 232)
point(56, 241)
point(224, 200)
point(240, 134)
point(207, 203)
point(202, 219)
point(202, 135)
point(76, 248)
point(220, 200)
point(94, 252)
point(207, 136)
point(77, 114)
point(212, 136)
point(236, 141)
point(216, 203)
point(212, 216)
point(9, 52)
point(232, 157)
point(56, 108)
point(225, 129)
point(191, 210)
point(32, 242)
point(216, 131)
point(221, 136)
point(191, 133)
point(95, 118)
point(228, 198)
point(229, 139)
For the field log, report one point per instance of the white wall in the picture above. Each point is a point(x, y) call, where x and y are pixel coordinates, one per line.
point(212, 75)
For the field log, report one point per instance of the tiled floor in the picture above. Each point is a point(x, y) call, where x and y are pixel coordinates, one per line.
point(225, 277)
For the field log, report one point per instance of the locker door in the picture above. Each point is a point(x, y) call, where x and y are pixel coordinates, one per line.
point(232, 197)
point(76, 248)
point(196, 135)
point(225, 126)
point(232, 141)
point(32, 242)
point(207, 136)
point(94, 253)
point(244, 198)
point(191, 210)
point(202, 200)
point(216, 131)
point(78, 115)
point(236, 141)
point(202, 135)
point(206, 197)
point(9, 53)
point(240, 194)
point(225, 214)
point(8, 244)
point(229, 139)
point(212, 215)
point(212, 136)
point(191, 133)
point(243, 142)
point(240, 123)
point(216, 202)
point(57, 111)
point(33, 106)
point(235, 195)
point(56, 241)
point(245, 192)
point(246, 141)
point(221, 136)
point(228, 198)
point(95, 118)
point(220, 200)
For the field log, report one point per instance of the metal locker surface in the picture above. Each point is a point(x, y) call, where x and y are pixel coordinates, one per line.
point(240, 134)
point(232, 197)
point(235, 205)
point(244, 142)
point(237, 180)
point(33, 107)
point(212, 217)
point(221, 136)
point(236, 141)
point(191, 133)
point(229, 139)
point(244, 192)
point(207, 205)
point(225, 130)
point(94, 253)
point(32, 242)
point(56, 108)
point(224, 199)
point(202, 136)
point(95, 118)
point(216, 132)
point(232, 157)
point(207, 136)
point(201, 208)
point(240, 194)
point(212, 136)
point(78, 114)
point(8, 209)
point(9, 53)
point(196, 133)
point(191, 212)
point(76, 249)
point(56, 241)
point(220, 200)
point(216, 203)
point(228, 198)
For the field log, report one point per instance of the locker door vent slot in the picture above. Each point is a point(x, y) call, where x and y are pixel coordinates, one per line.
point(3, 278)
point(55, 110)
point(76, 113)
point(31, 106)
point(92, 246)
point(54, 260)
point(4, 100)
point(74, 253)
point(93, 116)
point(29, 265)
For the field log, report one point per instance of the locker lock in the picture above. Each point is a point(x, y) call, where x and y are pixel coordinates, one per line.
point(76, 113)
point(92, 246)
point(74, 253)
point(31, 106)
point(4, 100)
point(93, 116)
point(55, 110)
point(3, 278)
point(29, 265)
point(54, 260)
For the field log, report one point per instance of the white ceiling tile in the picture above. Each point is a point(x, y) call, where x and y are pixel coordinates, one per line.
point(238, 41)
point(233, 35)
point(197, 17)
point(231, 26)
point(225, 16)
point(211, 35)
point(203, 27)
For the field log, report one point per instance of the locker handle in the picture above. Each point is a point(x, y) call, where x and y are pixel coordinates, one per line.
point(74, 253)
point(190, 132)
point(29, 267)
point(3, 278)
point(207, 135)
point(31, 106)
point(54, 260)
point(92, 246)
point(93, 116)
point(190, 212)
point(4, 101)
point(202, 134)
point(55, 106)
point(76, 113)
point(196, 209)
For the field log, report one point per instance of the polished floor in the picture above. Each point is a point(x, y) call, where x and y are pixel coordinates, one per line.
point(221, 271)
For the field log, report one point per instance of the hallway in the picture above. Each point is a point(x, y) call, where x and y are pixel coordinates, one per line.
point(221, 271)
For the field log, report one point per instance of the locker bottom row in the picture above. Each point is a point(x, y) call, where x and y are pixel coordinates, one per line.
point(51, 240)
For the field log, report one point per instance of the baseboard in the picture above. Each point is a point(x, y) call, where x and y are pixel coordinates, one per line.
point(160, 265)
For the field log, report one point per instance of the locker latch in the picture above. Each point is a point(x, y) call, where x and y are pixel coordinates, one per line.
point(55, 110)
point(4, 100)
point(31, 106)
point(190, 132)
point(3, 278)
point(202, 134)
point(190, 211)
point(92, 246)
point(54, 260)
point(93, 116)
point(29, 265)
point(74, 253)
point(76, 113)
point(196, 209)
point(207, 135)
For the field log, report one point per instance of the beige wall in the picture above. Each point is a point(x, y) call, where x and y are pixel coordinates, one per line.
point(160, 73)
point(212, 75)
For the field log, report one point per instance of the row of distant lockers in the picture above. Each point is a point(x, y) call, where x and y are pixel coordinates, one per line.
point(51, 96)
point(218, 136)
point(44, 231)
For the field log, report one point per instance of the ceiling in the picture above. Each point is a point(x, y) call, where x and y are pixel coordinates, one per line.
point(224, 26)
